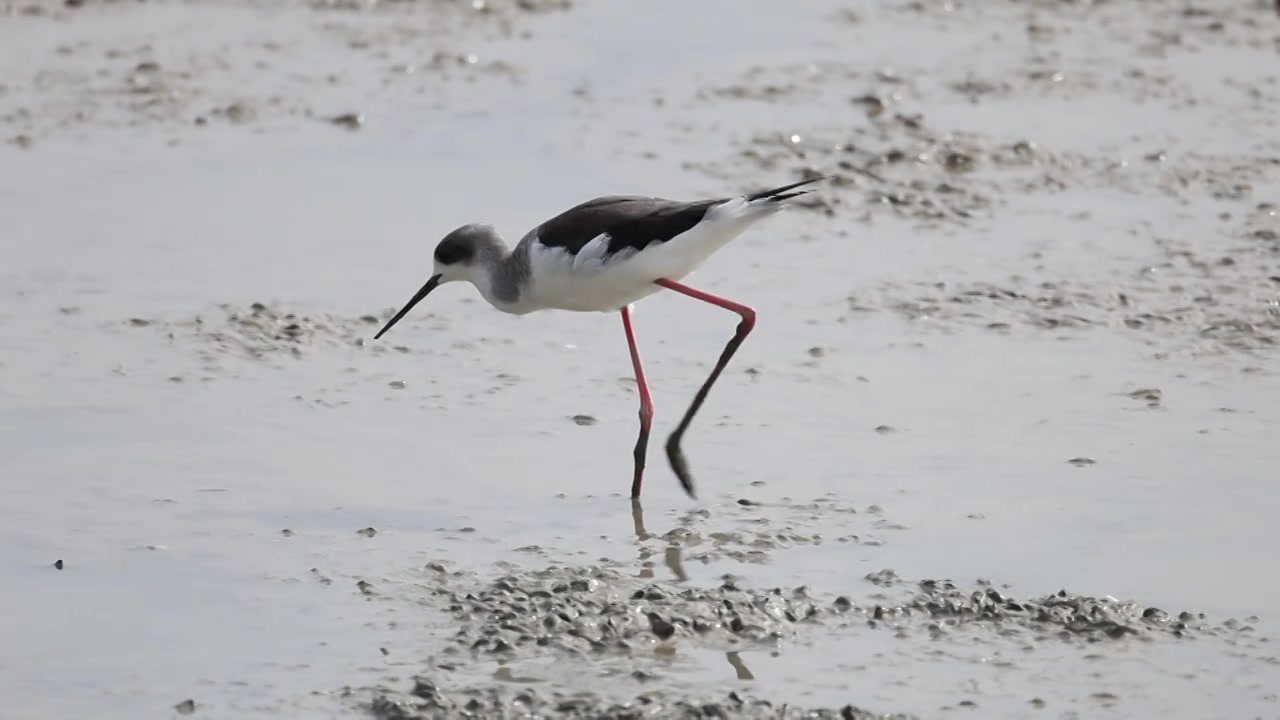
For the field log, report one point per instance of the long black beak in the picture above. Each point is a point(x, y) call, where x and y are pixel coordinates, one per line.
point(431, 285)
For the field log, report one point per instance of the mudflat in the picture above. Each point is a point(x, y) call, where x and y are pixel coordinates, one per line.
point(1002, 444)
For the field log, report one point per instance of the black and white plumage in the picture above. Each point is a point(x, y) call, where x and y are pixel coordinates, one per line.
point(606, 253)
point(601, 256)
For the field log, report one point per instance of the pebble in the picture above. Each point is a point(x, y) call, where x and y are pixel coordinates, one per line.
point(661, 628)
point(1152, 396)
point(350, 121)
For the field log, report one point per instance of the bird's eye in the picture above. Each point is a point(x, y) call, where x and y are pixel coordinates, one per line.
point(451, 253)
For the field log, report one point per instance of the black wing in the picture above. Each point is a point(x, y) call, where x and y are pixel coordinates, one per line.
point(633, 221)
point(629, 221)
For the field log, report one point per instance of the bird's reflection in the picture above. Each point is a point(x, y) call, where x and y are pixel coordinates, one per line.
point(744, 673)
point(674, 559)
point(642, 534)
point(673, 554)
point(637, 519)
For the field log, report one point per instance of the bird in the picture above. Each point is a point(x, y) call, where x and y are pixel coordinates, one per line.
point(604, 255)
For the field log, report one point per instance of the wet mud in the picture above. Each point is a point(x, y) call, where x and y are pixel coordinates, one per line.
point(577, 620)
point(259, 332)
point(1027, 329)
point(911, 157)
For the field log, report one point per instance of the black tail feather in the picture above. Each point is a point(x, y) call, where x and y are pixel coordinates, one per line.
point(780, 193)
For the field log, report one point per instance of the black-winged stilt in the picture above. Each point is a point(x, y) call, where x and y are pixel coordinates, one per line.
point(602, 256)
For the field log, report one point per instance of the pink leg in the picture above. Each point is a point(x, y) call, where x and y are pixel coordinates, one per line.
point(646, 403)
point(674, 454)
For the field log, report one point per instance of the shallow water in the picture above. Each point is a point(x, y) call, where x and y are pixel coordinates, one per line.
point(162, 465)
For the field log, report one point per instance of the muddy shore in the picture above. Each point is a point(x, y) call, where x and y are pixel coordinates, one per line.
point(1003, 444)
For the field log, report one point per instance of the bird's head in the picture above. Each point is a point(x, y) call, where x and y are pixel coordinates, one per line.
point(461, 255)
